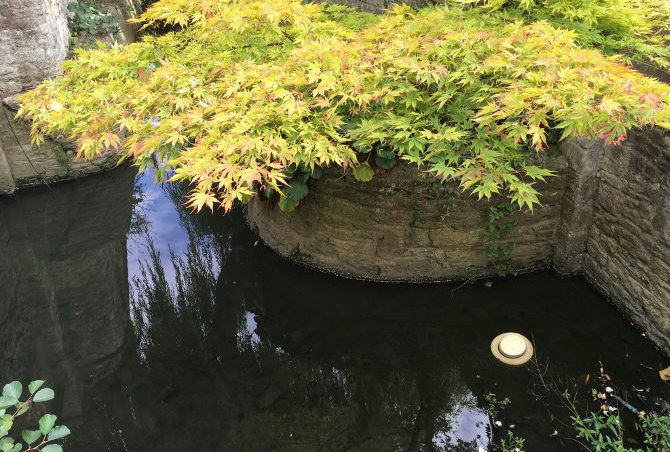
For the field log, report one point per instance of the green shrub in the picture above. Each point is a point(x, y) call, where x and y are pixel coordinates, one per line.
point(88, 18)
point(244, 90)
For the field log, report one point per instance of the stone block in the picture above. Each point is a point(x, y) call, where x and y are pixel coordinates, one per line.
point(7, 185)
point(33, 42)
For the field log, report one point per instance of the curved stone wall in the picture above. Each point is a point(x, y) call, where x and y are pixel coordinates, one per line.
point(606, 215)
point(396, 227)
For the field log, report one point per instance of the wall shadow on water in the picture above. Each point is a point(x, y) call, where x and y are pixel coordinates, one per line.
point(63, 289)
point(219, 344)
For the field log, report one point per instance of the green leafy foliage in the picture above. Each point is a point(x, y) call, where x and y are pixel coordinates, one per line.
point(496, 238)
point(605, 432)
point(504, 438)
point(364, 172)
point(287, 204)
point(633, 30)
point(43, 395)
point(243, 90)
point(87, 23)
point(35, 440)
point(88, 18)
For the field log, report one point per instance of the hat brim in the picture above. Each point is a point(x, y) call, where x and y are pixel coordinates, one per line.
point(523, 359)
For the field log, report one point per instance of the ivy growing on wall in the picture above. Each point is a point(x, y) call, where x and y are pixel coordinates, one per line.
point(87, 20)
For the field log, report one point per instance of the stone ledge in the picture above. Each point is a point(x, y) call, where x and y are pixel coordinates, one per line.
point(54, 161)
point(7, 185)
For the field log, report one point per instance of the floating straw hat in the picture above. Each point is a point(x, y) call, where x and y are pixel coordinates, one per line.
point(512, 348)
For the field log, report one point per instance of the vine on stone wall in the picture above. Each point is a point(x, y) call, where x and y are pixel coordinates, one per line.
point(494, 238)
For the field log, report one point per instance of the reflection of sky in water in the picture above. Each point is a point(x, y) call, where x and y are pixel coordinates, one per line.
point(248, 334)
point(468, 423)
point(163, 227)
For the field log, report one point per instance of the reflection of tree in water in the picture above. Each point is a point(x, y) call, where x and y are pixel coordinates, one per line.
point(226, 382)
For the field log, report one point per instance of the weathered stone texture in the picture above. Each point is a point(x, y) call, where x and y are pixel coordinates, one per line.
point(7, 185)
point(583, 157)
point(33, 42)
point(391, 228)
point(53, 161)
point(628, 250)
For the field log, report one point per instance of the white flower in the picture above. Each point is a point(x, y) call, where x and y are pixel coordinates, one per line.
point(498, 424)
point(608, 389)
point(481, 449)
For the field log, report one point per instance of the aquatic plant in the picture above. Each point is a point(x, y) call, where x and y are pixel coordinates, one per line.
point(503, 437)
point(41, 439)
point(252, 96)
point(605, 432)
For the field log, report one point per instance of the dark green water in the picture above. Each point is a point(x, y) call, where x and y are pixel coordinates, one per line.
point(165, 331)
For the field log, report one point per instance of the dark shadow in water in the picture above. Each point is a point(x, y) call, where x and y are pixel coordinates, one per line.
point(237, 349)
point(63, 284)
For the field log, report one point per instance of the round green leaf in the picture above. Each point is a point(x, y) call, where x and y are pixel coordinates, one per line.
point(30, 436)
point(290, 170)
point(47, 422)
point(58, 432)
point(35, 385)
point(6, 423)
point(18, 447)
point(385, 153)
point(364, 172)
point(303, 177)
point(52, 448)
point(317, 173)
point(6, 443)
point(297, 191)
point(287, 204)
point(22, 410)
point(361, 149)
point(43, 395)
point(7, 401)
point(385, 163)
point(13, 389)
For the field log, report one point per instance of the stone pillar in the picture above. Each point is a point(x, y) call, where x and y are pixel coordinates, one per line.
point(583, 157)
point(628, 250)
point(7, 185)
point(33, 42)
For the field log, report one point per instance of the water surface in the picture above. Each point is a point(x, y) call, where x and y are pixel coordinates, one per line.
point(161, 330)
